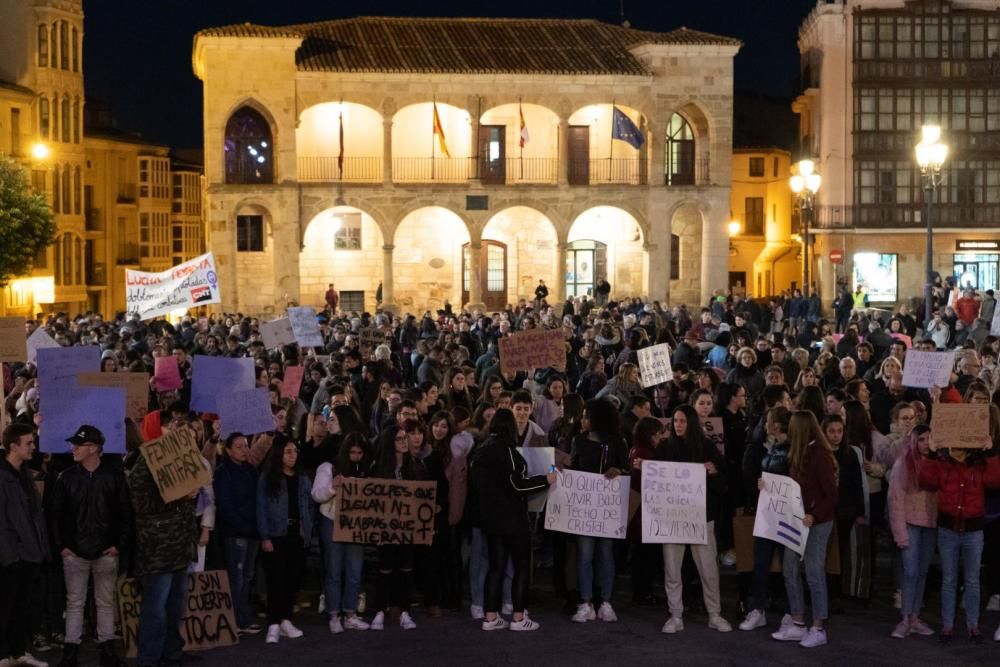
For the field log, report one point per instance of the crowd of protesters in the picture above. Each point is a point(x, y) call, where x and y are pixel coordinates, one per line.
point(819, 400)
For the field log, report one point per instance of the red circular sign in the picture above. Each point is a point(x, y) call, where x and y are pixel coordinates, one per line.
point(836, 256)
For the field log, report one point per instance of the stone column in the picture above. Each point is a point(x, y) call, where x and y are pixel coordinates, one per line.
point(562, 166)
point(475, 287)
point(388, 297)
point(559, 288)
point(714, 250)
point(386, 151)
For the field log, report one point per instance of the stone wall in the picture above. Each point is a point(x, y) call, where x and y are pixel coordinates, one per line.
point(531, 250)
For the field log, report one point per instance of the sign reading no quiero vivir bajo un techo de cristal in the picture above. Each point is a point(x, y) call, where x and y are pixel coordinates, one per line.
point(385, 511)
point(585, 503)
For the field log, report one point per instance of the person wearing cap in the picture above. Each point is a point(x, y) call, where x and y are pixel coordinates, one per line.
point(90, 525)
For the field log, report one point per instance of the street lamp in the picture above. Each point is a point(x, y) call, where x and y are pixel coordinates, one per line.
point(805, 185)
point(931, 154)
point(40, 151)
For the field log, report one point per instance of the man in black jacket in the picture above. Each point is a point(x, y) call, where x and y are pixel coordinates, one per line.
point(91, 521)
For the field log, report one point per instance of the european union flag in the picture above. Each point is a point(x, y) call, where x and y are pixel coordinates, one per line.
point(623, 128)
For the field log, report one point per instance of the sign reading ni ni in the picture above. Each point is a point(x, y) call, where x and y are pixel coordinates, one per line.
point(385, 511)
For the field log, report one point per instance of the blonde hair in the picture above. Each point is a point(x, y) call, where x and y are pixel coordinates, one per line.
point(746, 350)
point(888, 361)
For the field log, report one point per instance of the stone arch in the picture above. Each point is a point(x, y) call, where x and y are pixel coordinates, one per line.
point(412, 141)
point(472, 229)
point(258, 294)
point(343, 245)
point(687, 219)
point(637, 216)
point(532, 242)
point(318, 135)
point(257, 132)
point(427, 260)
point(623, 236)
point(377, 215)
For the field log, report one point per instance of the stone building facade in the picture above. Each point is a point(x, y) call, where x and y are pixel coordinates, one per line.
point(323, 164)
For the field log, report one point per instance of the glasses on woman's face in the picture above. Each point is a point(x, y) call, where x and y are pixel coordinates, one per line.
point(907, 417)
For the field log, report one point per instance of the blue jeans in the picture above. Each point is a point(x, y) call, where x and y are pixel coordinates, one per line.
point(763, 555)
point(814, 563)
point(163, 598)
point(240, 554)
point(587, 549)
point(479, 566)
point(342, 562)
point(916, 559)
point(969, 548)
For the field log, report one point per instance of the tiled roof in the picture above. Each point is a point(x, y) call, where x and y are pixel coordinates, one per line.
point(16, 87)
point(471, 45)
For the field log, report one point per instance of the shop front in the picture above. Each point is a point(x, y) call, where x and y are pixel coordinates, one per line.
point(976, 263)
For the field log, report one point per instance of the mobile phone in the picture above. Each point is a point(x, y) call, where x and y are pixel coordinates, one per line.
point(552, 468)
point(326, 412)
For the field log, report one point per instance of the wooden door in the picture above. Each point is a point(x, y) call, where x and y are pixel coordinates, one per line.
point(579, 155)
point(492, 154)
point(492, 274)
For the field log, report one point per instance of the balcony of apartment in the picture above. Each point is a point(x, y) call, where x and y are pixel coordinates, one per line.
point(127, 193)
point(909, 216)
point(94, 220)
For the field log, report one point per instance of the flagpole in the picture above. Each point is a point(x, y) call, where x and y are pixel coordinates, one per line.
point(611, 153)
point(340, 162)
point(433, 132)
point(520, 137)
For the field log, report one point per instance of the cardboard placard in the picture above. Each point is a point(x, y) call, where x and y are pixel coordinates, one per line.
point(292, 382)
point(385, 511)
point(277, 333)
point(212, 377)
point(780, 513)
point(585, 503)
point(654, 365)
point(928, 369)
point(368, 339)
point(136, 386)
point(715, 432)
point(535, 348)
point(175, 463)
point(674, 504)
point(208, 621)
point(167, 374)
point(13, 344)
point(39, 340)
point(247, 412)
point(305, 326)
point(961, 425)
point(539, 460)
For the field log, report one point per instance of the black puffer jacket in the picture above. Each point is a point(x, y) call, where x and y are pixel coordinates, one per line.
point(91, 511)
point(22, 529)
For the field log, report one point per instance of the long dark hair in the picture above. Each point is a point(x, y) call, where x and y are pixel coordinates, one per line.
point(858, 428)
point(344, 465)
point(604, 421)
point(385, 466)
point(503, 428)
point(443, 447)
point(692, 444)
point(274, 467)
point(349, 421)
point(811, 399)
point(645, 430)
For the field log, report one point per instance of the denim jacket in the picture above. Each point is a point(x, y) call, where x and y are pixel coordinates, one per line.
point(272, 512)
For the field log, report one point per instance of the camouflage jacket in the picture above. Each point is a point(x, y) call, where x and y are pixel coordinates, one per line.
point(166, 534)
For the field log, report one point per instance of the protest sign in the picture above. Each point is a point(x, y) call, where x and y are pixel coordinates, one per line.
point(305, 327)
point(36, 341)
point(175, 464)
point(277, 333)
point(136, 386)
point(674, 503)
point(292, 382)
point(245, 412)
point(13, 344)
point(192, 283)
point(654, 365)
point(368, 339)
point(212, 377)
point(961, 425)
point(208, 620)
point(907, 341)
point(928, 369)
point(780, 513)
point(585, 503)
point(167, 374)
point(540, 460)
point(384, 511)
point(715, 432)
point(535, 348)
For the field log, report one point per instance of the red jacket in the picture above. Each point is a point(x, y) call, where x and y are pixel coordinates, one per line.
point(967, 310)
point(960, 488)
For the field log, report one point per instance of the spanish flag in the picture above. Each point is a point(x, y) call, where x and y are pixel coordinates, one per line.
point(524, 127)
point(439, 133)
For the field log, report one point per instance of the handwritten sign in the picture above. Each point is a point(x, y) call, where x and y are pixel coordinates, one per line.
point(136, 386)
point(928, 369)
point(277, 333)
point(654, 365)
point(585, 503)
point(540, 460)
point(176, 464)
point(187, 285)
point(212, 377)
point(167, 374)
point(715, 432)
point(208, 621)
point(13, 344)
point(780, 513)
point(39, 340)
point(674, 504)
point(368, 339)
point(384, 511)
point(246, 412)
point(961, 425)
point(305, 327)
point(292, 382)
point(536, 348)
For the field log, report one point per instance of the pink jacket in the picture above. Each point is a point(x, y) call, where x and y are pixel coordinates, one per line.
point(914, 507)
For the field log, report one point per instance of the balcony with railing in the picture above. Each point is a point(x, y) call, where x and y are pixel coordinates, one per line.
point(908, 216)
point(433, 170)
point(607, 171)
point(335, 169)
point(690, 173)
point(528, 170)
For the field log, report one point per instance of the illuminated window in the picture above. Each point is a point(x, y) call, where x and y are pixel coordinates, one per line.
point(877, 274)
point(348, 236)
point(679, 167)
point(248, 148)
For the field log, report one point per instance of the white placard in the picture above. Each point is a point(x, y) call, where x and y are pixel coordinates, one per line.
point(654, 365)
point(305, 326)
point(193, 283)
point(928, 369)
point(540, 460)
point(674, 504)
point(277, 333)
point(780, 513)
point(39, 340)
point(585, 503)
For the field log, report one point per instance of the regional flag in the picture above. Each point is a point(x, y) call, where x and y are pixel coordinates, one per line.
point(439, 133)
point(340, 155)
point(524, 128)
point(624, 129)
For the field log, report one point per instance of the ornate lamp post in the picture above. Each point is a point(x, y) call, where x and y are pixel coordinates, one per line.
point(930, 154)
point(805, 185)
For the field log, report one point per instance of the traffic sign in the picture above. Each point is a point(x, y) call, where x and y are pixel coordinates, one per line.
point(836, 256)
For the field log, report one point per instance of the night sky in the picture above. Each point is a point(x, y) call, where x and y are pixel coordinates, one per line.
point(137, 53)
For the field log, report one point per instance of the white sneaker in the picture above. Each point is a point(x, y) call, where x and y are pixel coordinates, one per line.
point(786, 620)
point(354, 623)
point(729, 558)
point(524, 625)
point(673, 625)
point(378, 623)
point(606, 613)
point(996, 635)
point(814, 637)
point(30, 661)
point(477, 613)
point(584, 612)
point(496, 624)
point(335, 626)
point(406, 621)
point(321, 605)
point(755, 619)
point(994, 603)
point(790, 633)
point(6, 662)
point(507, 609)
point(273, 632)
point(288, 630)
point(716, 622)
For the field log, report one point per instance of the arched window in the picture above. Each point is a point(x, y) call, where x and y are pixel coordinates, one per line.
point(76, 120)
point(64, 116)
point(248, 148)
point(77, 191)
point(43, 117)
point(56, 193)
point(64, 44)
point(679, 166)
point(43, 45)
point(67, 196)
point(76, 50)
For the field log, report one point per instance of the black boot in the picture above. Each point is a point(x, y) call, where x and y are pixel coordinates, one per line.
point(69, 655)
point(108, 657)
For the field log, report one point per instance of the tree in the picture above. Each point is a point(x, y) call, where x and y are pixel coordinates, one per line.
point(26, 222)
